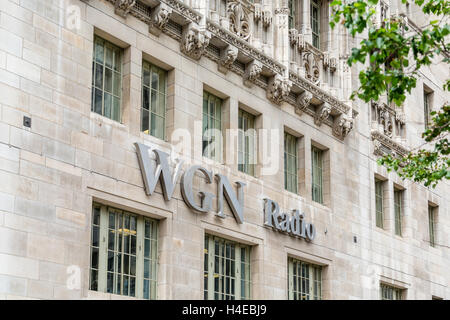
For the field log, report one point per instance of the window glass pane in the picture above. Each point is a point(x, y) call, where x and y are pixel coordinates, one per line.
point(230, 277)
point(304, 280)
point(246, 142)
point(124, 266)
point(104, 78)
point(212, 126)
point(317, 187)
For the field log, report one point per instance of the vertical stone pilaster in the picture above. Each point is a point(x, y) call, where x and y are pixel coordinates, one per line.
point(281, 35)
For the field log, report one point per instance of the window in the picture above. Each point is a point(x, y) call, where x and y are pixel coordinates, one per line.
point(212, 127)
point(292, 4)
point(390, 293)
point(106, 79)
point(379, 203)
point(432, 224)
point(398, 209)
point(290, 163)
point(227, 269)
point(125, 261)
point(304, 280)
point(315, 22)
point(427, 108)
point(246, 145)
point(317, 167)
point(153, 111)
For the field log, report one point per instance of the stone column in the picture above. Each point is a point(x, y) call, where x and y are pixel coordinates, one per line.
point(281, 41)
point(305, 27)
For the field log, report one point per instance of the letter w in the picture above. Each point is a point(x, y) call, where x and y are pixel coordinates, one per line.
point(151, 175)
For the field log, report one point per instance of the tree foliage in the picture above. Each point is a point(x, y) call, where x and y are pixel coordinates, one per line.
point(392, 56)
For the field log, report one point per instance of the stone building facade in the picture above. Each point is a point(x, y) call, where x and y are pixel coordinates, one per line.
point(81, 82)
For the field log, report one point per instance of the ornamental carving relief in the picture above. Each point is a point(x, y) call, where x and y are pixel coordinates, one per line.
point(252, 72)
point(293, 36)
point(123, 7)
point(303, 101)
point(342, 126)
point(311, 65)
point(160, 17)
point(239, 18)
point(194, 41)
point(278, 89)
point(262, 15)
point(227, 57)
point(322, 114)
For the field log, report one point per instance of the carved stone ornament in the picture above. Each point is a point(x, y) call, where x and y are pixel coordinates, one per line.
point(333, 64)
point(227, 57)
point(160, 17)
point(264, 15)
point(239, 18)
point(252, 72)
point(385, 120)
point(278, 89)
point(311, 65)
point(303, 101)
point(342, 126)
point(194, 41)
point(322, 114)
point(400, 117)
point(122, 7)
point(293, 36)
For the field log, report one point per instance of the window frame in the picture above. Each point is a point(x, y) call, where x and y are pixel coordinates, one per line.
point(315, 4)
point(288, 172)
point(116, 76)
point(314, 285)
point(212, 119)
point(317, 169)
point(292, 21)
point(432, 224)
point(104, 232)
point(427, 108)
point(379, 206)
point(246, 159)
point(388, 292)
point(153, 111)
point(209, 284)
point(398, 211)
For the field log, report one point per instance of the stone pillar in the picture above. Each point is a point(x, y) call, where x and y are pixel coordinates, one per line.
point(305, 27)
point(281, 41)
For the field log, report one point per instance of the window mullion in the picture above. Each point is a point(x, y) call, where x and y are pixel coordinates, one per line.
point(238, 273)
point(290, 279)
point(211, 263)
point(140, 258)
point(103, 248)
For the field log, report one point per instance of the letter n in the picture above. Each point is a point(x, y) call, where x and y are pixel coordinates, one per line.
point(236, 203)
point(151, 175)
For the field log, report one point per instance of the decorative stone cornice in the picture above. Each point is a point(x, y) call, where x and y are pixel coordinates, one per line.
point(342, 126)
point(159, 18)
point(244, 47)
point(227, 56)
point(278, 89)
point(384, 145)
point(302, 102)
point(252, 71)
point(123, 7)
point(183, 10)
point(322, 113)
point(194, 41)
point(182, 23)
point(320, 94)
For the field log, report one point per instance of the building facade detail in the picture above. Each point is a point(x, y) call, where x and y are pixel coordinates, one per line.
point(123, 7)
point(232, 31)
point(387, 129)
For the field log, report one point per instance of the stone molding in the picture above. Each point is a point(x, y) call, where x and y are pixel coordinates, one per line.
point(195, 38)
point(384, 145)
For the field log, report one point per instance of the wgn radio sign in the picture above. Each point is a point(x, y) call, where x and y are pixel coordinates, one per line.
point(152, 171)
